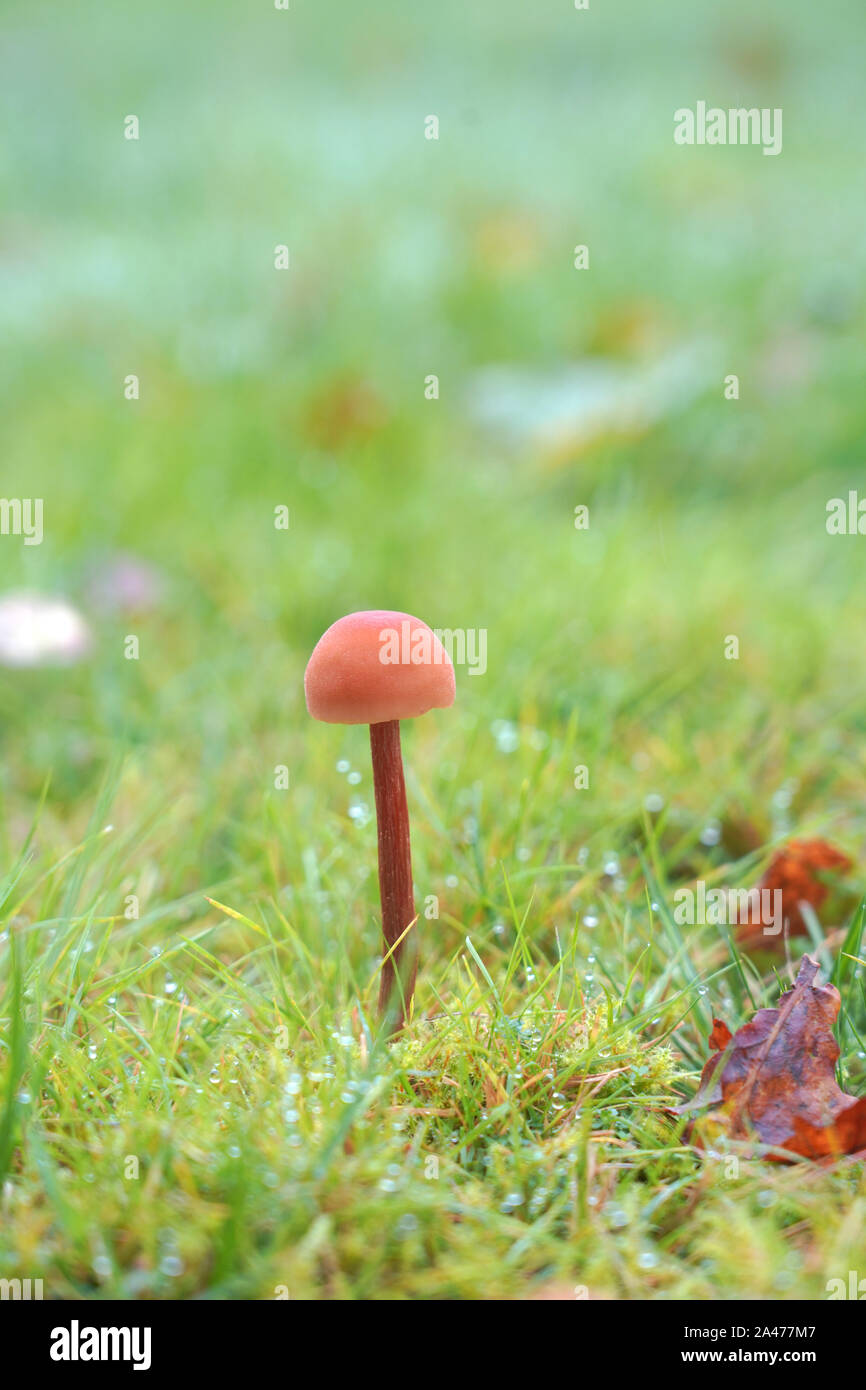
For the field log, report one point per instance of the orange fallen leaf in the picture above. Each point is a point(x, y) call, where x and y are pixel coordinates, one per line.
point(796, 872)
point(774, 1078)
point(345, 410)
point(720, 1036)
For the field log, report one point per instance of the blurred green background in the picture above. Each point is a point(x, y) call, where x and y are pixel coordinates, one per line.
point(411, 257)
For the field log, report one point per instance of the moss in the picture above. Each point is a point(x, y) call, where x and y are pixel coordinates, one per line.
point(535, 1068)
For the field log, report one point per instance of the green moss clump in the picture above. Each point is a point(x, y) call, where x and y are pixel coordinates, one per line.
point(539, 1072)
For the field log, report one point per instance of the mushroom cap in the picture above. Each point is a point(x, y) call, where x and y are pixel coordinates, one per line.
point(374, 666)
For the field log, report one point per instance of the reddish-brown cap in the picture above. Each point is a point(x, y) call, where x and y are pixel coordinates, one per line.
point(371, 667)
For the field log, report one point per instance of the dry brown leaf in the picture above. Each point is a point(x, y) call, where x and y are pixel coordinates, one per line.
point(797, 871)
point(774, 1078)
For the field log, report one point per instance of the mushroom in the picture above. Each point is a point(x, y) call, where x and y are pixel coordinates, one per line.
point(377, 668)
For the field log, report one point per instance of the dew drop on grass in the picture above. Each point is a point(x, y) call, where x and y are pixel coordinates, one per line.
point(353, 779)
point(654, 803)
point(782, 798)
point(590, 921)
point(506, 735)
point(512, 1202)
point(647, 1259)
point(344, 766)
point(171, 1265)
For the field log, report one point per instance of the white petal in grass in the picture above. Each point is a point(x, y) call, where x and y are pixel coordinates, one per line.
point(36, 630)
point(585, 400)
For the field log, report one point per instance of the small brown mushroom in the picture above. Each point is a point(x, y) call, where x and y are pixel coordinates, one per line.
point(377, 668)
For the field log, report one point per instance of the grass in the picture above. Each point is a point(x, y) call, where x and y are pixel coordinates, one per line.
point(195, 1101)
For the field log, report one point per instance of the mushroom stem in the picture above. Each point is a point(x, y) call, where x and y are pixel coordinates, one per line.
point(395, 870)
